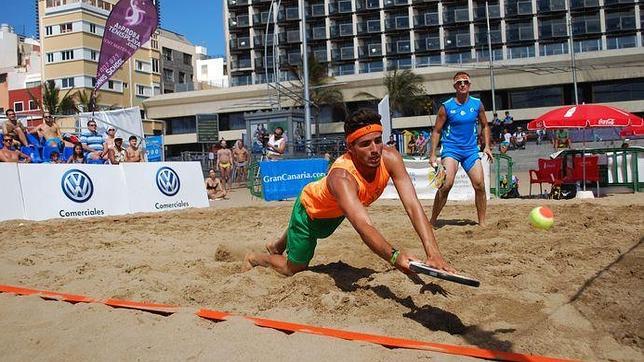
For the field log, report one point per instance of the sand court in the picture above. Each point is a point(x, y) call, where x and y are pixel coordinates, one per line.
point(575, 291)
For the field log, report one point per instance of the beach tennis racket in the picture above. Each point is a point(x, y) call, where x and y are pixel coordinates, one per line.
point(418, 267)
point(437, 175)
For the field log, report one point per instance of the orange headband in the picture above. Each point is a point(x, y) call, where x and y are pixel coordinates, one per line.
point(363, 131)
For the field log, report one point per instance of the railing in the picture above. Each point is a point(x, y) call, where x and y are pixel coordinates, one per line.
point(427, 19)
point(429, 43)
point(367, 5)
point(551, 5)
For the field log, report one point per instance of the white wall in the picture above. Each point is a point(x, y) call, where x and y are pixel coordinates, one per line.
point(214, 72)
point(8, 47)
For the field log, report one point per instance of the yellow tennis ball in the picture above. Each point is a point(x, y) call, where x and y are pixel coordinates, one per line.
point(542, 217)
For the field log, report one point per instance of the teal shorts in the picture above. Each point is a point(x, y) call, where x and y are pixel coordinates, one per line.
point(303, 232)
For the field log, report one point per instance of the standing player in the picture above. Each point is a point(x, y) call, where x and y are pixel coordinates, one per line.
point(456, 127)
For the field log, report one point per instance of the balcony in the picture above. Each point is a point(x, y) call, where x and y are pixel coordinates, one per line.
point(428, 44)
point(240, 43)
point(289, 37)
point(620, 23)
point(456, 16)
point(234, 3)
point(427, 19)
point(320, 55)
point(392, 3)
point(428, 60)
point(583, 4)
point(553, 30)
point(260, 60)
point(550, 6)
point(495, 37)
point(341, 7)
point(344, 53)
point(317, 33)
point(261, 40)
point(362, 5)
point(404, 63)
point(237, 64)
point(458, 41)
point(586, 26)
point(494, 10)
point(518, 34)
point(372, 67)
point(241, 21)
point(369, 27)
point(399, 47)
point(397, 23)
point(343, 69)
point(289, 14)
point(618, 2)
point(261, 18)
point(342, 30)
point(371, 50)
point(519, 8)
point(315, 11)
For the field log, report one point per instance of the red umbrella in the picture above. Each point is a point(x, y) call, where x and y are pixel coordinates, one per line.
point(637, 131)
point(585, 115)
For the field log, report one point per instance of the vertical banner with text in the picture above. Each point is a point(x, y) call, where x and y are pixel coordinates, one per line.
point(130, 24)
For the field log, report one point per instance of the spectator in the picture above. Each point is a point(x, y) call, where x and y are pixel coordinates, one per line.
point(117, 154)
point(504, 146)
point(8, 154)
point(420, 143)
point(241, 156)
point(110, 138)
point(54, 157)
point(411, 146)
point(625, 144)
point(15, 129)
point(508, 120)
point(134, 153)
point(541, 135)
point(392, 142)
point(276, 145)
point(214, 186)
point(51, 131)
point(93, 142)
point(496, 127)
point(519, 138)
point(77, 156)
point(225, 164)
point(562, 139)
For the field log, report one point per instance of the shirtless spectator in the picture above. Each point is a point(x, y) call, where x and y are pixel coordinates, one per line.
point(15, 129)
point(117, 154)
point(214, 186)
point(51, 132)
point(133, 153)
point(93, 141)
point(8, 154)
point(241, 156)
point(224, 163)
point(562, 139)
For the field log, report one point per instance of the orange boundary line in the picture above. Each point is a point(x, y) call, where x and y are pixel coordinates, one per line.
point(292, 327)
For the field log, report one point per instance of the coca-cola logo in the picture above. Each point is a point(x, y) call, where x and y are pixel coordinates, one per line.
point(606, 122)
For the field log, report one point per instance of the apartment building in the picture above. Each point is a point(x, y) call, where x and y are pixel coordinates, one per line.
point(70, 36)
point(177, 62)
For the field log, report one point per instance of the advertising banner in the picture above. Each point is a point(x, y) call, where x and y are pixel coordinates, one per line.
point(154, 148)
point(12, 205)
point(166, 186)
point(285, 179)
point(72, 191)
point(129, 25)
point(419, 172)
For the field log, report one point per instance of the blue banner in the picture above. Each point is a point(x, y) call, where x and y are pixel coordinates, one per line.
point(285, 179)
point(154, 148)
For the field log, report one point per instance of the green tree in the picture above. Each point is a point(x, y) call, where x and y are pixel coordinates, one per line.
point(407, 94)
point(52, 100)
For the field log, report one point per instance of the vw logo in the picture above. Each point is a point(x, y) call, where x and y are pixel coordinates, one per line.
point(168, 181)
point(77, 186)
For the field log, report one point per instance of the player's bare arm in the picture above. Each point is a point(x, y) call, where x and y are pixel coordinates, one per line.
point(436, 134)
point(485, 128)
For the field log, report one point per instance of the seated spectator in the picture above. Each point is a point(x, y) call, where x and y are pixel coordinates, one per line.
point(110, 137)
point(54, 157)
point(411, 146)
point(519, 139)
point(9, 154)
point(117, 154)
point(78, 156)
point(15, 129)
point(133, 153)
point(626, 143)
point(496, 128)
point(93, 142)
point(541, 135)
point(51, 131)
point(504, 146)
point(562, 139)
point(214, 186)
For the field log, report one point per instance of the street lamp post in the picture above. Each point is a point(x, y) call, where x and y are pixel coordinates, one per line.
point(489, 47)
point(571, 46)
point(305, 65)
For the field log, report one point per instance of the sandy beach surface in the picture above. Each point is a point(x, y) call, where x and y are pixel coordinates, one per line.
point(575, 291)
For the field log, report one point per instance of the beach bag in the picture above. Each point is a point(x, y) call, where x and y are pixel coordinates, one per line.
point(563, 192)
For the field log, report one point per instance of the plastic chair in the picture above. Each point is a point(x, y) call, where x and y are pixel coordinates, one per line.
point(67, 153)
point(46, 153)
point(32, 152)
point(549, 172)
point(590, 174)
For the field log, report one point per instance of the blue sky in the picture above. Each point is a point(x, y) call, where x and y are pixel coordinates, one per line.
point(201, 21)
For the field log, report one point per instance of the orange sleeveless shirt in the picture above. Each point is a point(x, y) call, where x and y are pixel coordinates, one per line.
point(321, 204)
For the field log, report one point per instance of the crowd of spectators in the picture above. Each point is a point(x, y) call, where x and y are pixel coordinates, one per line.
point(45, 143)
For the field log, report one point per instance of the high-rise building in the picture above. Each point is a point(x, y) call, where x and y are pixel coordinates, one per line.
point(70, 36)
point(366, 36)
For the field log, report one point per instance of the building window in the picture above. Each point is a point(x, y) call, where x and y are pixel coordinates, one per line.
point(154, 43)
point(110, 84)
point(92, 55)
point(167, 54)
point(124, 84)
point(168, 75)
point(155, 65)
point(18, 106)
point(182, 77)
point(48, 30)
point(139, 64)
point(67, 55)
point(65, 28)
point(537, 97)
point(619, 91)
point(68, 82)
point(93, 82)
point(50, 57)
point(32, 105)
point(92, 28)
point(204, 70)
point(187, 59)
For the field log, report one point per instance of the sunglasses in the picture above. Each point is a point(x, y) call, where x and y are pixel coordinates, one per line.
point(462, 82)
point(8, 140)
point(91, 125)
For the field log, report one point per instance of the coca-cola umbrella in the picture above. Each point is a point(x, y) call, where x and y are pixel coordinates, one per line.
point(585, 116)
point(632, 131)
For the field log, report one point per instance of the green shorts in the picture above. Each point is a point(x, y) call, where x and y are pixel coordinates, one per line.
point(303, 232)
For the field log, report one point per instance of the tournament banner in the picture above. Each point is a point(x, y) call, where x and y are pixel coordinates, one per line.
point(129, 25)
point(154, 148)
point(419, 172)
point(285, 179)
point(12, 206)
point(164, 186)
point(72, 191)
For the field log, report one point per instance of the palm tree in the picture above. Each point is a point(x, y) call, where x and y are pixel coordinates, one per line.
point(52, 102)
point(406, 91)
point(84, 100)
